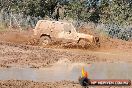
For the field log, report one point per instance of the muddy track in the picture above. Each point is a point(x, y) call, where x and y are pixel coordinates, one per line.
point(35, 56)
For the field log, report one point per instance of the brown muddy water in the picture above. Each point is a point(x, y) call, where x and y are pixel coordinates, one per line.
point(66, 70)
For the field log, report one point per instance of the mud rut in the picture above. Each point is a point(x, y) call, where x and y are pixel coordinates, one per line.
point(18, 51)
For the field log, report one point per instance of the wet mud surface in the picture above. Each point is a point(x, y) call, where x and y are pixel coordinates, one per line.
point(65, 70)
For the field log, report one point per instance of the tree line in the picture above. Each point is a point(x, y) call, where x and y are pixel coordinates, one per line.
point(97, 11)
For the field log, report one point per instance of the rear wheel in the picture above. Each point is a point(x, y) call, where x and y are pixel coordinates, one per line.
point(83, 43)
point(45, 40)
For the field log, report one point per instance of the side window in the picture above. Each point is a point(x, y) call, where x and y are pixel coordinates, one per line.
point(67, 28)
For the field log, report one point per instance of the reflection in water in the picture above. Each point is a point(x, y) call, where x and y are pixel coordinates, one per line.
point(68, 71)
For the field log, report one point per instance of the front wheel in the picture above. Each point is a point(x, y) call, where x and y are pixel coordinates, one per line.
point(45, 40)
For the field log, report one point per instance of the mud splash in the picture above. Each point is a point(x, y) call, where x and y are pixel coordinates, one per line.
point(67, 71)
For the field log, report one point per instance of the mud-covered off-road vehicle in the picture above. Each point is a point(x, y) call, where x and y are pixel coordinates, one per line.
point(49, 31)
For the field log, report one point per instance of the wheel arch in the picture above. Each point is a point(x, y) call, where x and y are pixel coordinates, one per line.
point(45, 35)
point(82, 39)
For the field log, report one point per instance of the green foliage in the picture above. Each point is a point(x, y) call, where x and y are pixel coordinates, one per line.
point(76, 10)
point(116, 11)
point(105, 11)
point(80, 10)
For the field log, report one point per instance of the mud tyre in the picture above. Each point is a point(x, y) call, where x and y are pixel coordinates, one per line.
point(82, 43)
point(45, 41)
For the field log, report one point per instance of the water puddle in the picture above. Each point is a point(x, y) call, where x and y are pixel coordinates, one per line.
point(68, 71)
